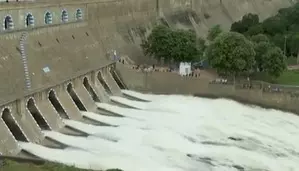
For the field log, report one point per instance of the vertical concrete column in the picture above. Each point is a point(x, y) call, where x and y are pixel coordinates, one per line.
point(27, 122)
point(20, 106)
point(93, 76)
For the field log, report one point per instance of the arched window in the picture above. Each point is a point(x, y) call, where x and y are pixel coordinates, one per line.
point(48, 18)
point(79, 15)
point(64, 16)
point(29, 20)
point(8, 23)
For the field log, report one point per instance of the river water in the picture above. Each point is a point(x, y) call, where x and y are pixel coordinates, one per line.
point(180, 133)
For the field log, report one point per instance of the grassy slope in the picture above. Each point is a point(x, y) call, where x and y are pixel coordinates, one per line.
point(289, 77)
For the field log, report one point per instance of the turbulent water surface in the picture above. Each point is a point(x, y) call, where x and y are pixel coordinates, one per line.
point(180, 133)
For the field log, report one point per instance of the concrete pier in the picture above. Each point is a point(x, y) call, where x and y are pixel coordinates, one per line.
point(25, 118)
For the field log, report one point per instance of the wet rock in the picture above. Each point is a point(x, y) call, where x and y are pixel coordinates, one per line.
point(235, 138)
point(205, 160)
point(214, 143)
point(240, 168)
point(190, 139)
point(189, 155)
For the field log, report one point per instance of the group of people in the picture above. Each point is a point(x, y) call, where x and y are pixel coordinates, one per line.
point(153, 68)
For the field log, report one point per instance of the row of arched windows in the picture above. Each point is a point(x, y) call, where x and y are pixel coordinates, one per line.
point(8, 23)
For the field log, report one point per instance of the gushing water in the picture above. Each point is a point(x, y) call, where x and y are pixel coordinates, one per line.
point(179, 133)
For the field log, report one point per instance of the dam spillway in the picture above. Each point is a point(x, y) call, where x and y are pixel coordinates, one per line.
point(56, 63)
point(25, 119)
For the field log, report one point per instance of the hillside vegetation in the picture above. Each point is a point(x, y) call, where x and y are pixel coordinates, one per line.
point(282, 29)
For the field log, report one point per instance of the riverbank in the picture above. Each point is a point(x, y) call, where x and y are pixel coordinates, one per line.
point(8, 165)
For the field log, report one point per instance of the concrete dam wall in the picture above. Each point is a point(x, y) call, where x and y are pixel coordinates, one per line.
point(55, 57)
point(172, 83)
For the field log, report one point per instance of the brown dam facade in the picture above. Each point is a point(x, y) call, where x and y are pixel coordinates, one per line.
point(56, 56)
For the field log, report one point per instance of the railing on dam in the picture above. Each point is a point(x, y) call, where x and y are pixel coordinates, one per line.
point(293, 90)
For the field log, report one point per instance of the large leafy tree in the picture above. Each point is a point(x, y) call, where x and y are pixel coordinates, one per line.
point(275, 25)
point(261, 48)
point(269, 58)
point(255, 30)
point(173, 45)
point(248, 21)
point(259, 38)
point(231, 54)
point(274, 62)
point(183, 46)
point(158, 43)
point(293, 44)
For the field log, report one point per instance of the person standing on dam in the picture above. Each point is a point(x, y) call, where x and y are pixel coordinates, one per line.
point(115, 57)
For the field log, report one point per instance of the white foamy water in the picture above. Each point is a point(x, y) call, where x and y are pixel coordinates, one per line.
point(180, 133)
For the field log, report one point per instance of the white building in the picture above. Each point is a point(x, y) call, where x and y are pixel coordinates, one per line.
point(185, 68)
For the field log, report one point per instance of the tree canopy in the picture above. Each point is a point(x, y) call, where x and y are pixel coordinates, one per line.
point(274, 62)
point(250, 47)
point(231, 54)
point(248, 21)
point(281, 29)
point(259, 38)
point(269, 59)
point(234, 54)
point(173, 44)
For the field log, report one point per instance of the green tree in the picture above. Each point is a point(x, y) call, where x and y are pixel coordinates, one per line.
point(274, 62)
point(231, 54)
point(214, 32)
point(183, 46)
point(259, 38)
point(158, 43)
point(173, 45)
point(290, 14)
point(278, 40)
point(255, 30)
point(201, 47)
point(261, 48)
point(293, 44)
point(248, 20)
point(275, 25)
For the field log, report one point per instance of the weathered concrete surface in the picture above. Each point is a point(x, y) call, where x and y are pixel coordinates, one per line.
point(111, 83)
point(8, 145)
point(85, 98)
point(26, 121)
point(69, 106)
point(50, 114)
point(100, 91)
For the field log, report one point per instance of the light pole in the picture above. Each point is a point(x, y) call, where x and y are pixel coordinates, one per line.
point(285, 45)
